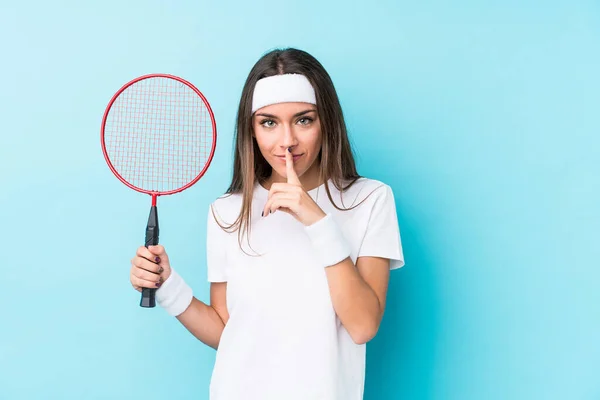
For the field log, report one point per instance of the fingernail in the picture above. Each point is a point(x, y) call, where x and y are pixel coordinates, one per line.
point(157, 259)
point(262, 213)
point(160, 270)
point(290, 149)
point(160, 279)
point(157, 284)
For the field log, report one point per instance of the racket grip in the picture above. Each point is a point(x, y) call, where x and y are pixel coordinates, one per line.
point(148, 299)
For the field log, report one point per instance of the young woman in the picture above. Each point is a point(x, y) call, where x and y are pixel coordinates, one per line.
point(299, 249)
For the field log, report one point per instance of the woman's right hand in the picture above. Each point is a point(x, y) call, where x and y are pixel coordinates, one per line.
point(149, 268)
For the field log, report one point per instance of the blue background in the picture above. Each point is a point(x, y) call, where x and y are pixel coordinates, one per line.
point(482, 116)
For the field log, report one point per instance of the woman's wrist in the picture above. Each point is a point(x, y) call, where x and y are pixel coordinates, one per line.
point(174, 295)
point(328, 241)
point(318, 216)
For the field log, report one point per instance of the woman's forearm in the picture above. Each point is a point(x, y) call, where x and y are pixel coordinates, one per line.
point(203, 322)
point(354, 301)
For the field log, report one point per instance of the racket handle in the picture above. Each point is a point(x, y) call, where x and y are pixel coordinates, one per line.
point(149, 294)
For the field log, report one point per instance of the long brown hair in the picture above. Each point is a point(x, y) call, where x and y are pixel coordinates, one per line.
point(336, 155)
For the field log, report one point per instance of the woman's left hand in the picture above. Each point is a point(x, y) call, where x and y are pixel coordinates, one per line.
point(291, 197)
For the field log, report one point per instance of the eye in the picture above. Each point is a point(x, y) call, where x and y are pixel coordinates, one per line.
point(307, 119)
point(263, 122)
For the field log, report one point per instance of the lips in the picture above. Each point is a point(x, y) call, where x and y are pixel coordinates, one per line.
point(294, 156)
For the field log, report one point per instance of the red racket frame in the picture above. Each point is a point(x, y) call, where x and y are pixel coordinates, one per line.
point(155, 194)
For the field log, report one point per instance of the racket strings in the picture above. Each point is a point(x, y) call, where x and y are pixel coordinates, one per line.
point(158, 134)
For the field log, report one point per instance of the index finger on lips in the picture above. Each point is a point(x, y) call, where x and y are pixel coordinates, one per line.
point(292, 177)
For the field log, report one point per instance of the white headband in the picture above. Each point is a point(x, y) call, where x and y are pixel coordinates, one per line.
point(282, 89)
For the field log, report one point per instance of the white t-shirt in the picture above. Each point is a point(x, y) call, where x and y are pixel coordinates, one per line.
point(283, 340)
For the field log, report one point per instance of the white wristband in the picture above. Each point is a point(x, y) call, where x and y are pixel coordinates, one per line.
point(174, 295)
point(328, 241)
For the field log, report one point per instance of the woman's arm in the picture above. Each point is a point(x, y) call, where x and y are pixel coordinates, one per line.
point(151, 268)
point(206, 322)
point(358, 293)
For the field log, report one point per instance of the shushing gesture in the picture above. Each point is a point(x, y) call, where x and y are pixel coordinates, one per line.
point(290, 197)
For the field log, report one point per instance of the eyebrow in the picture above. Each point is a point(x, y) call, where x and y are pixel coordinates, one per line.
point(295, 115)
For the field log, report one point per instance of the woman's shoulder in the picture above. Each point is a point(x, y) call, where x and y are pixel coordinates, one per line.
point(369, 183)
point(227, 206)
point(364, 192)
point(366, 187)
point(227, 200)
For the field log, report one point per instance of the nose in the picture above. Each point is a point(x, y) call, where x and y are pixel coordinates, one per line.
point(289, 137)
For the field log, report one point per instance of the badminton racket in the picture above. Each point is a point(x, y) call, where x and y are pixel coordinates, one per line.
point(158, 137)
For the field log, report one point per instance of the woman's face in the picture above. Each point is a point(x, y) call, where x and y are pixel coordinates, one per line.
point(296, 125)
